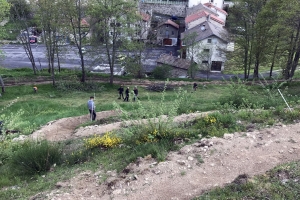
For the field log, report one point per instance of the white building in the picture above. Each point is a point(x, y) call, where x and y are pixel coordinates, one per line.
point(217, 3)
point(209, 44)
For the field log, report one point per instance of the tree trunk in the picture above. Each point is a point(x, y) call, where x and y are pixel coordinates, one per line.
point(273, 60)
point(2, 84)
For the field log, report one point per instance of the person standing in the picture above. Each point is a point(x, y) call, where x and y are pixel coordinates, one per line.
point(136, 92)
point(195, 86)
point(121, 91)
point(127, 94)
point(91, 107)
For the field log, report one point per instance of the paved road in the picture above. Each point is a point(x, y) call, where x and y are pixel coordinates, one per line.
point(15, 57)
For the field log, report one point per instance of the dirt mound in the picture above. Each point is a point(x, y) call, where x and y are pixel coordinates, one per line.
point(185, 174)
point(63, 129)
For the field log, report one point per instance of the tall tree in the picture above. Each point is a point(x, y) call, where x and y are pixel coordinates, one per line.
point(192, 49)
point(49, 16)
point(4, 9)
point(74, 13)
point(113, 25)
point(290, 20)
point(241, 23)
point(23, 21)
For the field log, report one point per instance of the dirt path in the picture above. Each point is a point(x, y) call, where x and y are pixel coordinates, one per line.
point(67, 128)
point(183, 175)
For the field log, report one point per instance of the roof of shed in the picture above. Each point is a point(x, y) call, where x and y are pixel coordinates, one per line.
point(170, 22)
point(174, 61)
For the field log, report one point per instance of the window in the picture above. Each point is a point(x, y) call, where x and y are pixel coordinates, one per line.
point(172, 32)
point(167, 26)
point(205, 62)
point(206, 50)
point(167, 32)
point(208, 40)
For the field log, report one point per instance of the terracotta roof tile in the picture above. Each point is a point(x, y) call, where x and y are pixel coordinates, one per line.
point(217, 8)
point(145, 16)
point(170, 22)
point(201, 14)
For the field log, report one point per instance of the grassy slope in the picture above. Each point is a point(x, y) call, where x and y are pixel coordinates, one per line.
point(49, 104)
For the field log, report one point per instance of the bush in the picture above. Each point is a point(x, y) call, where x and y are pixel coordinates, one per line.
point(237, 94)
point(35, 157)
point(162, 72)
point(217, 124)
point(73, 84)
point(158, 150)
point(108, 140)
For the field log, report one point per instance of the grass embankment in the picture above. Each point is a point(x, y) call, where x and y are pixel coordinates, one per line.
point(24, 110)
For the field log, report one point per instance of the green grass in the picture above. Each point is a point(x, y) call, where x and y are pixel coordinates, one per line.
point(282, 182)
point(31, 110)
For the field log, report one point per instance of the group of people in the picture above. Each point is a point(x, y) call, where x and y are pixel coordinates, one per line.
point(91, 104)
point(127, 92)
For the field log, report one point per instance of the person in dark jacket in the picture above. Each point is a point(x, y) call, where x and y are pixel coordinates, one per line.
point(136, 92)
point(195, 86)
point(127, 94)
point(121, 91)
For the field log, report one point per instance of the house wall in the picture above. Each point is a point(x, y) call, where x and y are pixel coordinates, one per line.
point(178, 73)
point(218, 3)
point(215, 51)
point(162, 33)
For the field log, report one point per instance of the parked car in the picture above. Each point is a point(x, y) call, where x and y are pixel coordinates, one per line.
point(32, 39)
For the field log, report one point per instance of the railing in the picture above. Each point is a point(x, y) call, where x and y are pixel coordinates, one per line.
point(165, 2)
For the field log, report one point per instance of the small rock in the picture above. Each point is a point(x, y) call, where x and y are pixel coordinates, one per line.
point(117, 191)
point(181, 162)
point(228, 136)
point(190, 158)
point(185, 149)
point(60, 185)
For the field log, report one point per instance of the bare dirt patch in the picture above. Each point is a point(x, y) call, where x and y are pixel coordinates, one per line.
point(185, 174)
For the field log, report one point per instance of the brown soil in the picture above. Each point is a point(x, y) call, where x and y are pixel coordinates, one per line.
point(185, 174)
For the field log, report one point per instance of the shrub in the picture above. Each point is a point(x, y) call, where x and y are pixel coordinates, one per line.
point(35, 157)
point(158, 150)
point(216, 124)
point(77, 157)
point(237, 93)
point(162, 72)
point(108, 140)
point(74, 85)
point(153, 124)
point(289, 115)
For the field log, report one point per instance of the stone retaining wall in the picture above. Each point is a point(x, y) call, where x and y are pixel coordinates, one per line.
point(165, 9)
